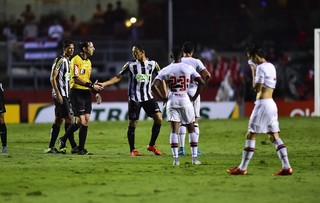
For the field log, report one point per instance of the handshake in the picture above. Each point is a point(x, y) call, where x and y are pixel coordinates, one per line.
point(95, 86)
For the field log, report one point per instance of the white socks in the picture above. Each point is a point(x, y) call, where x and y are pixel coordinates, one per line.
point(247, 154)
point(282, 153)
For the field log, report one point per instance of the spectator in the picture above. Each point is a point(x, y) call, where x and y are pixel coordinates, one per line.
point(28, 14)
point(9, 32)
point(225, 91)
point(109, 19)
point(30, 30)
point(56, 30)
point(71, 26)
point(98, 15)
point(119, 16)
point(97, 20)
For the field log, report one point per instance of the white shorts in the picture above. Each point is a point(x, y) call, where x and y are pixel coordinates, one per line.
point(180, 109)
point(264, 117)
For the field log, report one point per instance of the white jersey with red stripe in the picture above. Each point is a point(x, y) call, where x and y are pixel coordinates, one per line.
point(178, 77)
point(197, 65)
point(266, 75)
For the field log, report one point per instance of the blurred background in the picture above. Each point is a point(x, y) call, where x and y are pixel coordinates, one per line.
point(221, 29)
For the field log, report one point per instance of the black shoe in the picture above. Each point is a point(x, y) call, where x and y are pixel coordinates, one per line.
point(75, 150)
point(52, 150)
point(84, 152)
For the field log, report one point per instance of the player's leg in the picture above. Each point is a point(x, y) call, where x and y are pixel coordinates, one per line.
point(54, 132)
point(152, 109)
point(182, 136)
point(3, 133)
point(188, 118)
point(134, 112)
point(83, 132)
point(174, 142)
point(282, 154)
point(196, 106)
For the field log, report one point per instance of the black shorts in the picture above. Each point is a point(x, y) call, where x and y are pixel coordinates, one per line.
point(151, 107)
point(80, 101)
point(2, 107)
point(62, 110)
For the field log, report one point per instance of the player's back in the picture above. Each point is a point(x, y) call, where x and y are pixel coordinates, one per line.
point(178, 77)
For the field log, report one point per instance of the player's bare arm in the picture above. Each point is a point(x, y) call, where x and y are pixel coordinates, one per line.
point(200, 87)
point(112, 81)
point(157, 88)
point(206, 76)
point(53, 76)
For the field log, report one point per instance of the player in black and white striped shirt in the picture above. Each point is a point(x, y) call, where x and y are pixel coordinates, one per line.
point(60, 76)
point(141, 72)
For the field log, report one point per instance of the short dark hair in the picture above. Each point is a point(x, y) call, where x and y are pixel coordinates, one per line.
point(176, 52)
point(84, 44)
point(139, 46)
point(254, 49)
point(188, 47)
point(66, 43)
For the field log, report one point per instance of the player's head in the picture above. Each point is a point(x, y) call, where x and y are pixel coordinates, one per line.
point(68, 47)
point(86, 47)
point(188, 48)
point(176, 53)
point(66, 43)
point(138, 51)
point(255, 50)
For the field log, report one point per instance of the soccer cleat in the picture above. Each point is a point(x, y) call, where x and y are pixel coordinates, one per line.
point(84, 152)
point(135, 153)
point(195, 161)
point(63, 150)
point(199, 153)
point(52, 150)
point(75, 150)
point(236, 171)
point(284, 172)
point(4, 150)
point(154, 149)
point(176, 161)
point(181, 151)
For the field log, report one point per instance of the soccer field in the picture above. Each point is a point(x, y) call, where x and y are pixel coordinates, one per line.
point(29, 175)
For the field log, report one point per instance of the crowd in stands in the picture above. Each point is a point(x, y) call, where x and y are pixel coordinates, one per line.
point(229, 73)
point(107, 23)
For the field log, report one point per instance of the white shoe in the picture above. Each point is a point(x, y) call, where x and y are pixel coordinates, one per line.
point(195, 161)
point(176, 161)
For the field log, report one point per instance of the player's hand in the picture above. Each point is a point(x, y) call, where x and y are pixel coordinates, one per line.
point(59, 98)
point(99, 98)
point(96, 86)
point(165, 100)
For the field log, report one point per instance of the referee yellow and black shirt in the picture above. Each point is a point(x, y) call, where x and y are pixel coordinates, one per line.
point(81, 68)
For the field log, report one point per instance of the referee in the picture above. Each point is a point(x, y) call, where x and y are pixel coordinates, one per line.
point(80, 95)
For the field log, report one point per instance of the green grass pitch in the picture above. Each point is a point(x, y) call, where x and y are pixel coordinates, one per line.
point(27, 174)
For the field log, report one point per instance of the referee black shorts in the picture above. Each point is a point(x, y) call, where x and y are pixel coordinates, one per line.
point(80, 101)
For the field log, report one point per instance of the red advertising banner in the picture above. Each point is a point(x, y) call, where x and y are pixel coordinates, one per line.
point(290, 109)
